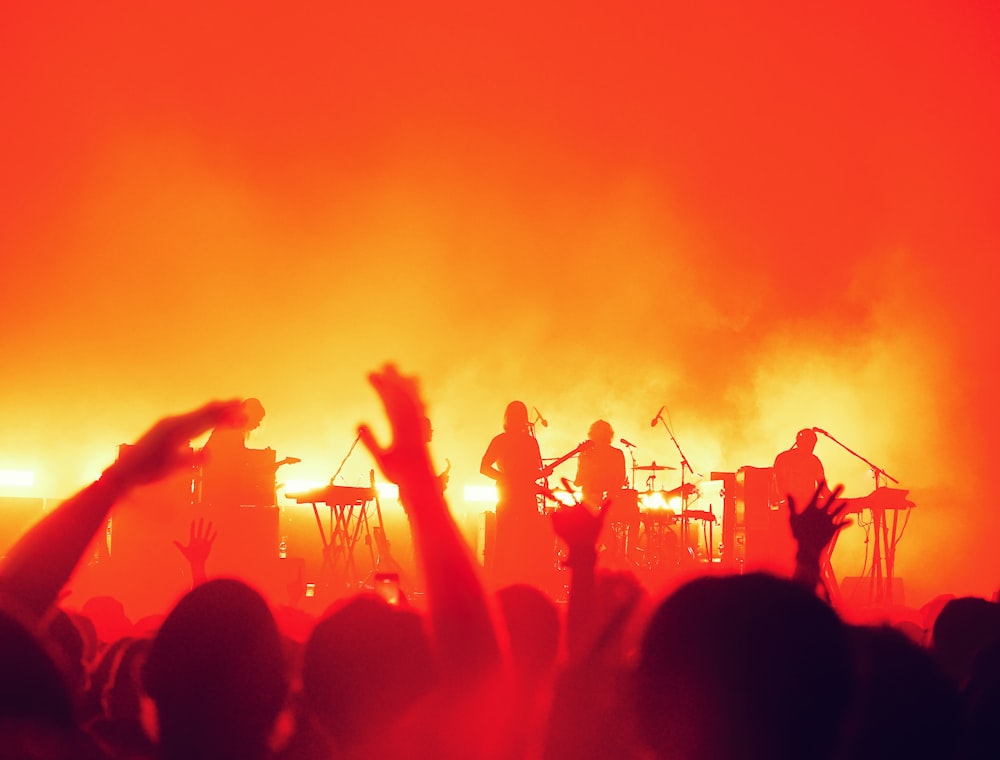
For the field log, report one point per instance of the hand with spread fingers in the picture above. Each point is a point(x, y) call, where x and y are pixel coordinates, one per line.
point(43, 559)
point(406, 458)
point(198, 547)
point(164, 448)
point(819, 521)
point(459, 613)
point(579, 526)
point(813, 529)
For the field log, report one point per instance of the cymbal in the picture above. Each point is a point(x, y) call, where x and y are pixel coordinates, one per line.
point(654, 467)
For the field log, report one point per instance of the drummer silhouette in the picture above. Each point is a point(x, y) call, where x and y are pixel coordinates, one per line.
point(600, 475)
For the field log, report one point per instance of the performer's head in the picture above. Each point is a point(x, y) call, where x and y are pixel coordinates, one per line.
point(515, 418)
point(601, 432)
point(253, 413)
point(805, 439)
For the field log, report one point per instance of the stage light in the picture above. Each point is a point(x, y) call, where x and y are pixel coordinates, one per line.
point(17, 478)
point(480, 494)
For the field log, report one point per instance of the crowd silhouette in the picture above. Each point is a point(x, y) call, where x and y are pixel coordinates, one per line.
point(721, 667)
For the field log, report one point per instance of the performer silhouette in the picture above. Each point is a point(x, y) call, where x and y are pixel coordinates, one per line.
point(600, 470)
point(600, 474)
point(798, 472)
point(232, 473)
point(523, 537)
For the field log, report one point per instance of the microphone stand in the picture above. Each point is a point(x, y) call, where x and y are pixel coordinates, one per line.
point(631, 453)
point(684, 497)
point(882, 584)
point(538, 418)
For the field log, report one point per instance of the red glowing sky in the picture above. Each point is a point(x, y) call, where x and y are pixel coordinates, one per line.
point(765, 218)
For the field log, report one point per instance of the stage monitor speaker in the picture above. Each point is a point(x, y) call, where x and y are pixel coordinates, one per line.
point(768, 536)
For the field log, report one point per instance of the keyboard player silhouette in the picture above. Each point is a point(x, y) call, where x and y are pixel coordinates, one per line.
point(237, 493)
point(233, 474)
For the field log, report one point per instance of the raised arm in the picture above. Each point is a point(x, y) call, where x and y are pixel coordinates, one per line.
point(813, 529)
point(459, 612)
point(197, 549)
point(579, 528)
point(43, 560)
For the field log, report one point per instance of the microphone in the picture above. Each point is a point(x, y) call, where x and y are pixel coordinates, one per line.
point(545, 423)
point(821, 431)
point(630, 445)
point(653, 423)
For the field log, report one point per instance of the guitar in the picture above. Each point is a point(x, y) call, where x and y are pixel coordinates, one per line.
point(547, 470)
point(543, 486)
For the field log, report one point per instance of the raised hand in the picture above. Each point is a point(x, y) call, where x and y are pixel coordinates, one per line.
point(198, 548)
point(199, 544)
point(406, 457)
point(164, 447)
point(579, 527)
point(43, 559)
point(459, 615)
point(819, 521)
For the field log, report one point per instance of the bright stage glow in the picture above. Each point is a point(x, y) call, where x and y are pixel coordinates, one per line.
point(655, 501)
point(17, 478)
point(387, 491)
point(294, 486)
point(301, 486)
point(480, 494)
point(567, 498)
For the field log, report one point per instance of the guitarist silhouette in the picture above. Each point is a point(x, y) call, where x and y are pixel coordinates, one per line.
point(523, 539)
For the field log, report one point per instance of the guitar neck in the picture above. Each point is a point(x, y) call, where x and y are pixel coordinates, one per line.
point(582, 447)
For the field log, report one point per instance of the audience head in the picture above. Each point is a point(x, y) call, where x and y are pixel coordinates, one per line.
point(364, 666)
point(216, 673)
point(533, 630)
point(759, 655)
point(964, 626)
point(904, 705)
point(109, 618)
point(37, 717)
point(32, 686)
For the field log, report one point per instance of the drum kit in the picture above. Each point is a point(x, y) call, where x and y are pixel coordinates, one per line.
point(666, 531)
point(665, 537)
point(655, 529)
